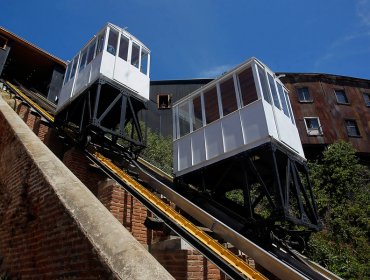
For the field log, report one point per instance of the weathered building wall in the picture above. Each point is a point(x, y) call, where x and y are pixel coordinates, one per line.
point(331, 113)
point(51, 225)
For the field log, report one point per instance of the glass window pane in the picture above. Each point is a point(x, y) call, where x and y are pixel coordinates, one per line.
point(144, 62)
point(265, 88)
point(83, 60)
point(247, 86)
point(68, 71)
point(135, 55)
point(123, 48)
point(282, 99)
point(367, 98)
point(273, 91)
point(90, 52)
point(100, 45)
point(352, 129)
point(312, 123)
point(341, 96)
point(74, 67)
point(184, 124)
point(228, 97)
point(197, 113)
point(304, 95)
point(289, 106)
point(211, 105)
point(112, 42)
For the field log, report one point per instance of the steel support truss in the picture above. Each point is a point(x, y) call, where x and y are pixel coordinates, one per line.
point(267, 186)
point(105, 114)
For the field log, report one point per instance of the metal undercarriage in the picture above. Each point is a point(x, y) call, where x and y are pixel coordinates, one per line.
point(106, 114)
point(265, 189)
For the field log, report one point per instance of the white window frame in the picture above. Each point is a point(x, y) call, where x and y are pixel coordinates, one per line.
point(316, 131)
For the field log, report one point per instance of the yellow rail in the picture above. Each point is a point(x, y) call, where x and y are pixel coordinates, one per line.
point(212, 244)
point(155, 169)
point(45, 114)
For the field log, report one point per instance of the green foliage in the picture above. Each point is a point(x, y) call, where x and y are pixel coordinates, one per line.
point(158, 151)
point(236, 196)
point(342, 190)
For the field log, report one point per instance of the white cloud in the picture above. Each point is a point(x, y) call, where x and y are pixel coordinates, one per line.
point(215, 71)
point(363, 11)
point(346, 46)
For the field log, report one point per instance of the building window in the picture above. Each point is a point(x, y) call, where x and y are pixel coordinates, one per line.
point(112, 42)
point(367, 98)
point(304, 95)
point(68, 72)
point(144, 62)
point(135, 55)
point(197, 113)
point(123, 48)
point(184, 120)
point(74, 67)
point(264, 85)
point(90, 52)
point(247, 86)
point(313, 126)
point(282, 99)
point(341, 96)
point(211, 105)
point(83, 60)
point(275, 96)
point(164, 101)
point(352, 128)
point(228, 97)
point(100, 44)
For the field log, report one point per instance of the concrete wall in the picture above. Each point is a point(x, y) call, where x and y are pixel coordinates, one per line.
point(51, 225)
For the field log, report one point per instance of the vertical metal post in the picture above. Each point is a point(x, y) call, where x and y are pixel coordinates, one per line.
point(97, 98)
point(246, 192)
point(82, 116)
point(123, 115)
point(277, 178)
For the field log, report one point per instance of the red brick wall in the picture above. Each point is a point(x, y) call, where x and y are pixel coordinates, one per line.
point(38, 238)
point(84, 170)
point(188, 265)
point(128, 210)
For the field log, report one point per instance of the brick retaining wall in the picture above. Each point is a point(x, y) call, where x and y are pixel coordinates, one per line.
point(51, 225)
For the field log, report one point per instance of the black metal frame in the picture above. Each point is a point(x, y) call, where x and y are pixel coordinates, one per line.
point(275, 186)
point(105, 114)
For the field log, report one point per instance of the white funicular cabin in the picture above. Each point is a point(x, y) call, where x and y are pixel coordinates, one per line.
point(241, 110)
point(114, 54)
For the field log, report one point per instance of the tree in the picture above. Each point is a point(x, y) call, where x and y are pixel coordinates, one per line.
point(342, 189)
point(158, 151)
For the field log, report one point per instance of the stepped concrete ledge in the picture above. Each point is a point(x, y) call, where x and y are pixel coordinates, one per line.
point(109, 243)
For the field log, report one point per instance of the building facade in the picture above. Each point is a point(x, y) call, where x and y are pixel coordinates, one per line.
point(329, 108)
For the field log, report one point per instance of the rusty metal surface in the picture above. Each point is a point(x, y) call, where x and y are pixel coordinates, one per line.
point(331, 114)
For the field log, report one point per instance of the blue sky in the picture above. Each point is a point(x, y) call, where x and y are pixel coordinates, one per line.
point(204, 38)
